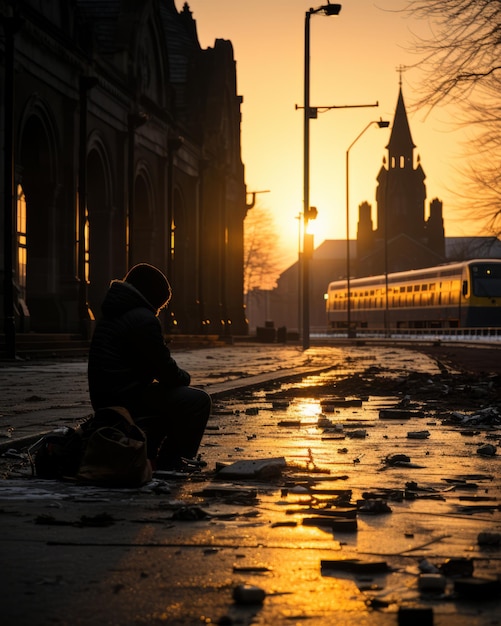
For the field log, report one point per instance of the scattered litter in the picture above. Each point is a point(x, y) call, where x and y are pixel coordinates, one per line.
point(415, 616)
point(396, 459)
point(290, 423)
point(226, 491)
point(346, 512)
point(397, 414)
point(487, 538)
point(374, 507)
point(400, 460)
point(329, 404)
point(258, 468)
point(478, 589)
point(355, 566)
point(190, 514)
point(299, 489)
point(335, 524)
point(460, 567)
point(251, 568)
point(11, 453)
point(427, 568)
point(487, 450)
point(324, 422)
point(418, 434)
point(432, 582)
point(290, 524)
point(280, 404)
point(357, 434)
point(248, 594)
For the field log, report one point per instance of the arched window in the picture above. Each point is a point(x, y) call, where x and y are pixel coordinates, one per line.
point(21, 242)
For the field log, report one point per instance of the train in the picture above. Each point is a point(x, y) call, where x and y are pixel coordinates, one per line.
point(453, 295)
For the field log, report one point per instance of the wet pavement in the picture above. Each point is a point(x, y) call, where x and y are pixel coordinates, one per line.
point(370, 495)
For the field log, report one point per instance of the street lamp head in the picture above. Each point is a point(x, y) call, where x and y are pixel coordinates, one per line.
point(332, 9)
point(326, 9)
point(383, 123)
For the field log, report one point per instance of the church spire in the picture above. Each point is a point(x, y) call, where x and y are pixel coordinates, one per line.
point(400, 146)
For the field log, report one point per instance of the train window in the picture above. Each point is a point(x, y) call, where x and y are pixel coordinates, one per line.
point(402, 289)
point(372, 292)
point(424, 287)
point(432, 286)
point(487, 281)
point(409, 288)
point(416, 287)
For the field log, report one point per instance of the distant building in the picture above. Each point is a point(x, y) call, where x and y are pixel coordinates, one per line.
point(124, 140)
point(282, 305)
point(404, 239)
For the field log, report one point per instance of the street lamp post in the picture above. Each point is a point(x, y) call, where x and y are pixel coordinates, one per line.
point(309, 113)
point(381, 124)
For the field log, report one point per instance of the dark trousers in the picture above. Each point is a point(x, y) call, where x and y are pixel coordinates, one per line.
point(174, 421)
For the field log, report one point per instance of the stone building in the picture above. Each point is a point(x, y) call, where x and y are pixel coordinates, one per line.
point(404, 239)
point(122, 145)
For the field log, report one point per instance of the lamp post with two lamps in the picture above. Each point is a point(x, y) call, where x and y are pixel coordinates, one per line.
point(309, 113)
point(381, 124)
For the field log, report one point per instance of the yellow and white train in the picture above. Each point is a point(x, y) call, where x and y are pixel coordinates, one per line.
point(455, 295)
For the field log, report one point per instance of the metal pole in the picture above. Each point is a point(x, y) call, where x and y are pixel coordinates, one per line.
point(348, 292)
point(306, 183)
point(299, 217)
point(382, 124)
point(386, 300)
point(348, 267)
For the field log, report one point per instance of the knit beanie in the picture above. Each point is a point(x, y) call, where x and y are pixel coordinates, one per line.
point(151, 283)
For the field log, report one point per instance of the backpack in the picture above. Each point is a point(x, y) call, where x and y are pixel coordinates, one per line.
point(108, 449)
point(57, 454)
point(114, 450)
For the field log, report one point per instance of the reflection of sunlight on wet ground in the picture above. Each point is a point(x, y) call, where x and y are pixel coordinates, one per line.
point(307, 410)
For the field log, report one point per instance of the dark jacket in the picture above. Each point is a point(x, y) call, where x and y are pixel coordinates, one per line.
point(128, 351)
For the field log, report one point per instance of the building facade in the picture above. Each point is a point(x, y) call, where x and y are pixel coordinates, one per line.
point(404, 238)
point(122, 145)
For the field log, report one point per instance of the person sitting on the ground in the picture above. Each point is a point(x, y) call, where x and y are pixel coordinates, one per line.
point(131, 366)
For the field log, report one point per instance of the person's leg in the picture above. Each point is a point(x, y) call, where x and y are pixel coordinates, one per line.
point(174, 422)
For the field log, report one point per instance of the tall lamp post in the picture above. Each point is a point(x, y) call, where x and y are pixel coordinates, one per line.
point(309, 113)
point(381, 124)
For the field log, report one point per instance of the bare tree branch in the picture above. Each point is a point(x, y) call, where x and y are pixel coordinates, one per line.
point(261, 254)
point(460, 59)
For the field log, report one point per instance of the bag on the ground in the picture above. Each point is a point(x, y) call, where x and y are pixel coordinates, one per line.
point(114, 451)
point(57, 454)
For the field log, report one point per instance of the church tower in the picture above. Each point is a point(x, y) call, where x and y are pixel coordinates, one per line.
point(403, 239)
point(401, 191)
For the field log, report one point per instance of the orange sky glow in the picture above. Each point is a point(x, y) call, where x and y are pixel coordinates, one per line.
point(354, 61)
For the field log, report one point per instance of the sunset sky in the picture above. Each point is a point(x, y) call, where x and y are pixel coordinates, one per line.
point(354, 61)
